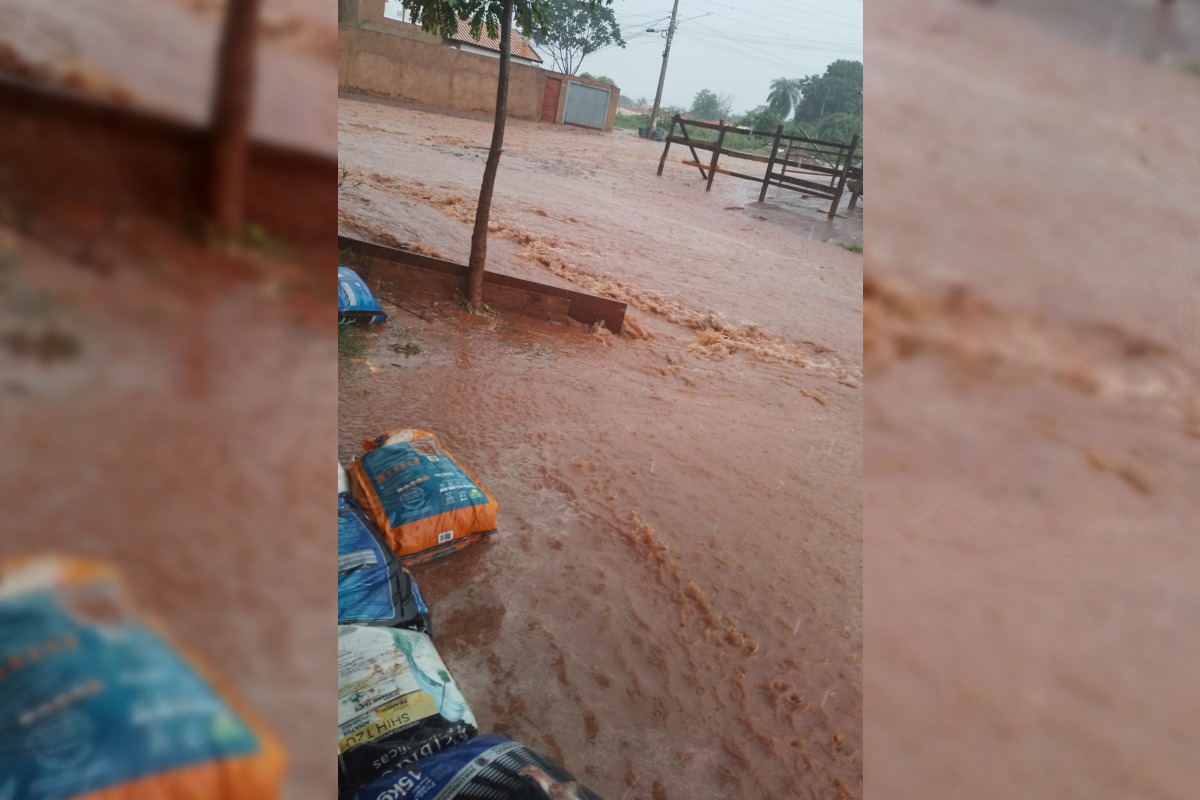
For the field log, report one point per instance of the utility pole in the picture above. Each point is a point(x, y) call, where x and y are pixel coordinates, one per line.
point(662, 76)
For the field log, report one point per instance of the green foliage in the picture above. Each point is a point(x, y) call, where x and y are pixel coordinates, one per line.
point(709, 106)
point(853, 247)
point(349, 341)
point(764, 118)
point(839, 127)
point(632, 123)
point(839, 90)
point(570, 30)
point(479, 309)
point(255, 239)
point(601, 78)
point(783, 96)
point(441, 16)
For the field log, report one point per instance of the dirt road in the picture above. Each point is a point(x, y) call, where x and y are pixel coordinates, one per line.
point(671, 606)
point(1032, 414)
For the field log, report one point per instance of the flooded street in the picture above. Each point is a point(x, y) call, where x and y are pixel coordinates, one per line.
point(1031, 344)
point(157, 55)
point(671, 606)
point(166, 406)
point(152, 437)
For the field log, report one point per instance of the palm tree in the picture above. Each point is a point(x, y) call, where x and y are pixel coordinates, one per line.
point(784, 93)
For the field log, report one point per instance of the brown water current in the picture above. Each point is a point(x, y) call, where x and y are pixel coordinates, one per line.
point(672, 604)
point(1031, 466)
point(171, 420)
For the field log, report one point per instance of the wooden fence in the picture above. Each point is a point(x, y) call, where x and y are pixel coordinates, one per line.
point(818, 168)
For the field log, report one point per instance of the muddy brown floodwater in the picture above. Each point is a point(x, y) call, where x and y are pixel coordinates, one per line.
point(1032, 575)
point(159, 55)
point(672, 604)
point(171, 418)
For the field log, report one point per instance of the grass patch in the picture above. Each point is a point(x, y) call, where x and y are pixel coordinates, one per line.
point(350, 344)
point(1192, 69)
point(481, 310)
point(853, 248)
point(256, 239)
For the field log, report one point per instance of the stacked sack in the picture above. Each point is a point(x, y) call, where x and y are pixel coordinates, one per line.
point(373, 588)
point(421, 499)
point(405, 730)
point(97, 702)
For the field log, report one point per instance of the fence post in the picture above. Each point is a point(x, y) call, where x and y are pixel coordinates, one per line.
point(845, 170)
point(762, 195)
point(670, 132)
point(855, 192)
point(695, 155)
point(712, 167)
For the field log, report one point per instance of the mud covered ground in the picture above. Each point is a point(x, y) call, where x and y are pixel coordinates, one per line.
point(159, 55)
point(1141, 29)
point(1032, 415)
point(167, 409)
point(671, 605)
point(166, 405)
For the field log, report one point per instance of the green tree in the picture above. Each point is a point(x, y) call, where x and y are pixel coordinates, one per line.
point(839, 90)
point(707, 105)
point(839, 127)
point(783, 96)
point(600, 78)
point(764, 118)
point(570, 30)
point(497, 16)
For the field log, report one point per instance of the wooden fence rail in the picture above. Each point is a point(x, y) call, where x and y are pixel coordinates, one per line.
point(820, 168)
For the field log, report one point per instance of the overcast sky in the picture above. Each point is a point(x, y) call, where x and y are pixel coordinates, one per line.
point(735, 48)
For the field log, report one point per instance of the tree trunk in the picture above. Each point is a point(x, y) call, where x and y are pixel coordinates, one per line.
point(484, 210)
point(232, 105)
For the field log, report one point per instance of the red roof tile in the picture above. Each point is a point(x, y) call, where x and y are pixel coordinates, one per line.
point(518, 47)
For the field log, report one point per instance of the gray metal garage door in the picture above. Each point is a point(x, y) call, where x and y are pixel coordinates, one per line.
point(586, 105)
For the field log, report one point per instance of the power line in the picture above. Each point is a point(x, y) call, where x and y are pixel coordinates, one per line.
point(822, 12)
point(757, 55)
point(781, 41)
point(714, 38)
point(775, 19)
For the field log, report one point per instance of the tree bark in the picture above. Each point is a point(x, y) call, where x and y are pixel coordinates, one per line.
point(232, 105)
point(484, 209)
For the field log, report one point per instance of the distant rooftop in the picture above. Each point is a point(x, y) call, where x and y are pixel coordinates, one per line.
point(518, 48)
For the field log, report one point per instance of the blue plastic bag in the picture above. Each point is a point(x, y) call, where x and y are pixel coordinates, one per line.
point(373, 588)
point(356, 303)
